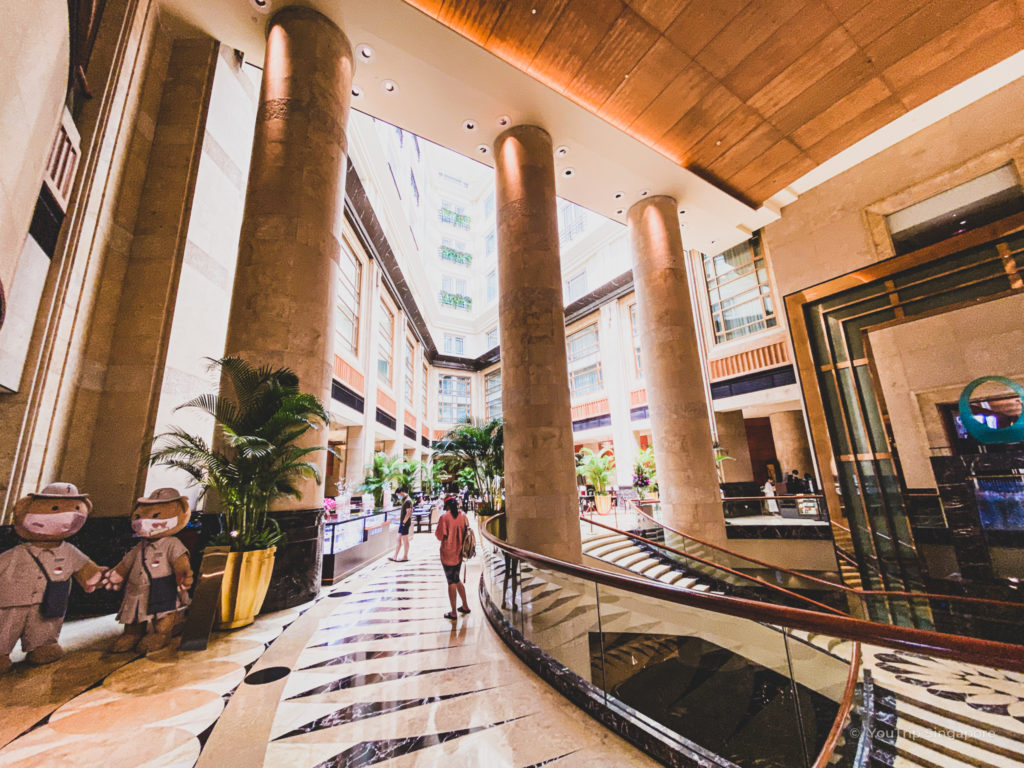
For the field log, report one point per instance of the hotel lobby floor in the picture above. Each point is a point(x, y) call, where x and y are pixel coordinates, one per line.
point(370, 674)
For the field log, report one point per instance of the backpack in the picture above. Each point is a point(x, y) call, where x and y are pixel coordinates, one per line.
point(468, 543)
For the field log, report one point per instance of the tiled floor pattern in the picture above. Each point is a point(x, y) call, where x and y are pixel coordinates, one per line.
point(371, 674)
point(947, 714)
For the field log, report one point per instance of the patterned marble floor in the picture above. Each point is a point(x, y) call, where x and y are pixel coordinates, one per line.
point(370, 674)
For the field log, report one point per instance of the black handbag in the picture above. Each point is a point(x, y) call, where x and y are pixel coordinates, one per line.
point(163, 590)
point(55, 596)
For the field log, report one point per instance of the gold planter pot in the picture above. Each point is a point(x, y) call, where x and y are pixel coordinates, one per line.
point(603, 502)
point(246, 579)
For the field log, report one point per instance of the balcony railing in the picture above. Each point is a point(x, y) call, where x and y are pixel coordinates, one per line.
point(460, 220)
point(456, 300)
point(459, 257)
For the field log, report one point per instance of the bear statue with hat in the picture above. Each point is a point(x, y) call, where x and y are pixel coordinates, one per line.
point(155, 574)
point(35, 576)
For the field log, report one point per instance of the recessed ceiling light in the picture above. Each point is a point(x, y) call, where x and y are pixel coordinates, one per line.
point(533, 11)
point(469, 125)
point(619, 195)
point(504, 120)
point(619, 212)
point(682, 211)
point(356, 91)
point(562, 151)
point(644, 192)
point(263, 6)
point(568, 172)
point(390, 86)
point(483, 149)
point(364, 52)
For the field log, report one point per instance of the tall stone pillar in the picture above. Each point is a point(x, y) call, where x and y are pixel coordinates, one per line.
point(614, 338)
point(283, 300)
point(687, 480)
point(789, 433)
point(540, 478)
point(732, 436)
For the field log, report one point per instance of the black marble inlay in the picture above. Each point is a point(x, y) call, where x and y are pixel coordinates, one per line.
point(379, 636)
point(355, 656)
point(346, 594)
point(267, 675)
point(364, 710)
point(552, 759)
point(370, 752)
point(353, 681)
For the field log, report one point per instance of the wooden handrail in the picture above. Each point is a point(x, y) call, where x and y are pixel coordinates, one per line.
point(955, 647)
point(719, 567)
point(832, 584)
point(845, 705)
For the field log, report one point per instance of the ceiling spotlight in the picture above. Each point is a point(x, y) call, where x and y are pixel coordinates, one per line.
point(364, 52)
point(504, 121)
point(619, 212)
point(390, 86)
point(619, 195)
point(562, 151)
point(469, 125)
point(644, 192)
point(483, 149)
point(682, 212)
point(568, 172)
point(262, 6)
point(356, 91)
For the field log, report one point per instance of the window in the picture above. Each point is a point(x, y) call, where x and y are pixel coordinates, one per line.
point(490, 244)
point(739, 292)
point(454, 345)
point(453, 214)
point(453, 398)
point(386, 343)
point(489, 206)
point(571, 221)
point(634, 327)
point(492, 285)
point(576, 286)
point(453, 284)
point(426, 374)
point(453, 180)
point(584, 357)
point(492, 338)
point(454, 293)
point(410, 370)
point(492, 395)
point(347, 308)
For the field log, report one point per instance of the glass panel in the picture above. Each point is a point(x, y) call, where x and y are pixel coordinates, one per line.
point(718, 681)
point(849, 393)
point(871, 411)
point(560, 617)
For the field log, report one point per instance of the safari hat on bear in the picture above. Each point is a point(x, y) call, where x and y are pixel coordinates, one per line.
point(162, 496)
point(60, 491)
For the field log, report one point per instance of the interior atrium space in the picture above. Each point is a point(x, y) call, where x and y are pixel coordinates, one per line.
point(514, 383)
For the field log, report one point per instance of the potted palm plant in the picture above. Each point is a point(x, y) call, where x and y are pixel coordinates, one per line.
point(475, 454)
point(260, 416)
point(596, 469)
point(644, 473)
point(382, 473)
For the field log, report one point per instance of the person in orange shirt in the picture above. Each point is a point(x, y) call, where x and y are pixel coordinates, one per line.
point(451, 532)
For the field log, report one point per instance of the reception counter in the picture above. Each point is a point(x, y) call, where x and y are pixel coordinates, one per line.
point(351, 543)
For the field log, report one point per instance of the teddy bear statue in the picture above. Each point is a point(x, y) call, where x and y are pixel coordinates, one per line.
point(155, 574)
point(35, 576)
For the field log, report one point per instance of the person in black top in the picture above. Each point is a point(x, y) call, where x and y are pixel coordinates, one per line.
point(404, 527)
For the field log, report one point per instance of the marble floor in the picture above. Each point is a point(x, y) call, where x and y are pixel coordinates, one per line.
point(369, 674)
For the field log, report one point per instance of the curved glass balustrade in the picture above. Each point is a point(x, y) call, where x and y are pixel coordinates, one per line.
point(720, 678)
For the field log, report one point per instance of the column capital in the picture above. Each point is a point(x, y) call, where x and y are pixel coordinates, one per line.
point(658, 200)
point(530, 135)
point(302, 13)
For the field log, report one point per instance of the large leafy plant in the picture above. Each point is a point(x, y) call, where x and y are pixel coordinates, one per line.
point(260, 415)
point(384, 471)
point(478, 449)
point(645, 476)
point(596, 468)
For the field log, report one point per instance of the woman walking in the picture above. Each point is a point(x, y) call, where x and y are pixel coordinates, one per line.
point(404, 525)
point(451, 532)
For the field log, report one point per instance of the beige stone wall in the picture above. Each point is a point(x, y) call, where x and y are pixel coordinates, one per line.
point(35, 423)
point(33, 81)
point(833, 228)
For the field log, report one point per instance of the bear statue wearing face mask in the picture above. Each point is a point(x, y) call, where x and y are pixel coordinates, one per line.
point(35, 576)
point(155, 574)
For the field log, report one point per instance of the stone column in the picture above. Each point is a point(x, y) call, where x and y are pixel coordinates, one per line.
point(789, 433)
point(687, 481)
point(732, 436)
point(283, 300)
point(540, 478)
point(614, 339)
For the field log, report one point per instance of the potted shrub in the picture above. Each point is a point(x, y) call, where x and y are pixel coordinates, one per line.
point(260, 416)
point(381, 474)
point(644, 473)
point(475, 455)
point(596, 469)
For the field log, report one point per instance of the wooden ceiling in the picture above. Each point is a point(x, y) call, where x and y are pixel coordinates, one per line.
point(748, 94)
